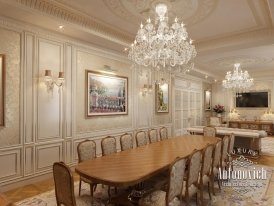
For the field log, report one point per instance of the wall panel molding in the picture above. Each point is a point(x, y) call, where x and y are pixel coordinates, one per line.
point(11, 161)
point(46, 155)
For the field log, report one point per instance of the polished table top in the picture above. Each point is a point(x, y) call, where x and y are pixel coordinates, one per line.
point(135, 165)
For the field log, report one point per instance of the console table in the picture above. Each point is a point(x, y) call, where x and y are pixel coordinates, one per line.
point(255, 125)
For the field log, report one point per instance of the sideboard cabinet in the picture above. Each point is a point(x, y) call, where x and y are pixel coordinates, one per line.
point(255, 125)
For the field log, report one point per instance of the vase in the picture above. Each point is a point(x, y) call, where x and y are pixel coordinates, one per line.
point(219, 115)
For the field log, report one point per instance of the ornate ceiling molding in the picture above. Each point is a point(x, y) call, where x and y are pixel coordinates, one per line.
point(190, 11)
point(63, 13)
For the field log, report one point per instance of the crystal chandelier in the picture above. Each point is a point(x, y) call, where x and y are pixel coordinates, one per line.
point(238, 81)
point(163, 47)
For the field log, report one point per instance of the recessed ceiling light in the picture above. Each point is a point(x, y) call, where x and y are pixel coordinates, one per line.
point(215, 80)
point(61, 27)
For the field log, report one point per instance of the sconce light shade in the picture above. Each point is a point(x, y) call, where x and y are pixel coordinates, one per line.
point(48, 76)
point(61, 76)
point(146, 89)
point(50, 82)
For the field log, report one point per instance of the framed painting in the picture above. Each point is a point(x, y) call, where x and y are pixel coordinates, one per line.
point(2, 90)
point(106, 94)
point(162, 98)
point(207, 100)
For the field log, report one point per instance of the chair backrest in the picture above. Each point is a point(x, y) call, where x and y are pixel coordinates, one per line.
point(64, 185)
point(108, 145)
point(152, 134)
point(176, 179)
point(141, 138)
point(86, 150)
point(217, 154)
point(209, 131)
point(163, 133)
point(215, 121)
point(207, 160)
point(126, 141)
point(224, 154)
point(231, 143)
point(194, 167)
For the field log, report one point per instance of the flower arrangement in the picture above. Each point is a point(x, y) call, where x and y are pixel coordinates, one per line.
point(219, 108)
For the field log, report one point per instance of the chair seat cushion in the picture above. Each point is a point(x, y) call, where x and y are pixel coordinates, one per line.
point(157, 198)
point(191, 190)
point(205, 179)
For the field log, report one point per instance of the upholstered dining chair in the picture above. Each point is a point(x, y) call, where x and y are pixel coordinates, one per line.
point(216, 161)
point(230, 149)
point(163, 133)
point(86, 150)
point(224, 153)
point(174, 189)
point(191, 183)
point(108, 145)
point(215, 121)
point(141, 138)
point(64, 187)
point(152, 134)
point(204, 178)
point(209, 131)
point(126, 141)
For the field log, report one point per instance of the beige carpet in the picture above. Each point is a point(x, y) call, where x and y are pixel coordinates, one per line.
point(262, 194)
point(268, 146)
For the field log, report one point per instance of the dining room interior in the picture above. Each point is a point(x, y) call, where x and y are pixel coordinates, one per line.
point(150, 102)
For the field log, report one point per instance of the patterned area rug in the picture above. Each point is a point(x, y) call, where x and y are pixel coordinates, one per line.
point(268, 146)
point(261, 194)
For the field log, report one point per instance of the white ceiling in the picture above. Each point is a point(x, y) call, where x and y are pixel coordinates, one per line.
point(225, 31)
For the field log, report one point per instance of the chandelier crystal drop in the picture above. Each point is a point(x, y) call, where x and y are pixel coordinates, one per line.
point(238, 81)
point(162, 46)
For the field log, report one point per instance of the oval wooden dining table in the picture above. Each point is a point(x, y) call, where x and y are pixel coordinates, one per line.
point(133, 166)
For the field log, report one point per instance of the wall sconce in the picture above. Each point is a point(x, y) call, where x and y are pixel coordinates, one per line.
point(147, 89)
point(50, 82)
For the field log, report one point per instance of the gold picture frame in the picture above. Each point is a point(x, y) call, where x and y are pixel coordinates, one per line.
point(106, 94)
point(162, 98)
point(207, 100)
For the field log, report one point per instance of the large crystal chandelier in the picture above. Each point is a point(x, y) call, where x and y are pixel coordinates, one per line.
point(238, 81)
point(163, 47)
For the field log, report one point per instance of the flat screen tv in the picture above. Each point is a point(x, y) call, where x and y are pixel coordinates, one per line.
point(252, 99)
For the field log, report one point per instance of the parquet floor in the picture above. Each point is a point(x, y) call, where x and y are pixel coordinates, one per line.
point(46, 185)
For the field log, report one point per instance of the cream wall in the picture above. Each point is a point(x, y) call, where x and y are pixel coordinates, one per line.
point(226, 98)
point(45, 126)
point(10, 46)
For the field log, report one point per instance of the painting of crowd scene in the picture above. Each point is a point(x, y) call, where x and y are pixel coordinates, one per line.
point(106, 94)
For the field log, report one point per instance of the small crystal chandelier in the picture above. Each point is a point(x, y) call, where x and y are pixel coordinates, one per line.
point(238, 81)
point(163, 47)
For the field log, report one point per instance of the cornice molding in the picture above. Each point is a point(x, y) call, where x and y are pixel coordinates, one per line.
point(22, 27)
point(247, 39)
point(72, 16)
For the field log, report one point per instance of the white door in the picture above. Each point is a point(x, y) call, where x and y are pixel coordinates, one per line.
point(187, 110)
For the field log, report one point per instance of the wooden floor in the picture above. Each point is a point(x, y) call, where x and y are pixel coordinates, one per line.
point(46, 185)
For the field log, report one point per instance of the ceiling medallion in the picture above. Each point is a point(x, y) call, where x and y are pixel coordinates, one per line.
point(238, 81)
point(162, 46)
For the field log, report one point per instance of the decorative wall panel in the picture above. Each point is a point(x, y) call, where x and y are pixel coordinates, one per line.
point(10, 46)
point(50, 56)
point(46, 155)
point(10, 164)
point(92, 62)
point(29, 160)
point(30, 81)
